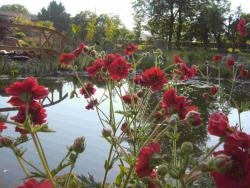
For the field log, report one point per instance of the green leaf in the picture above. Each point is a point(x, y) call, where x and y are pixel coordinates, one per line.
point(75, 29)
point(118, 180)
point(123, 169)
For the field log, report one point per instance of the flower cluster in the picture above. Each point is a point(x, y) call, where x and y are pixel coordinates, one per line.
point(232, 164)
point(114, 64)
point(26, 95)
point(241, 27)
point(67, 58)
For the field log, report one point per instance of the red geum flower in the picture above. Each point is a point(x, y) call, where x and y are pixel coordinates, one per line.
point(2, 127)
point(192, 116)
point(152, 179)
point(143, 167)
point(241, 27)
point(205, 95)
point(110, 58)
point(128, 99)
point(177, 59)
point(217, 58)
point(154, 78)
point(243, 72)
point(186, 72)
point(91, 104)
point(119, 69)
point(237, 174)
point(237, 140)
point(138, 79)
point(67, 58)
point(26, 91)
point(130, 49)
point(173, 103)
point(218, 124)
point(37, 112)
point(230, 62)
point(32, 183)
point(96, 67)
point(79, 50)
point(213, 90)
point(88, 90)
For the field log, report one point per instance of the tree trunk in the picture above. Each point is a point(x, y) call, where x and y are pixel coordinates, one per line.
point(179, 29)
point(171, 26)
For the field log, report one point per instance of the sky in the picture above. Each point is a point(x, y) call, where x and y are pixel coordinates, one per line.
point(123, 8)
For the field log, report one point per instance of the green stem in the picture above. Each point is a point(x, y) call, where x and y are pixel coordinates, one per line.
point(31, 165)
point(107, 167)
point(21, 163)
point(45, 166)
point(70, 172)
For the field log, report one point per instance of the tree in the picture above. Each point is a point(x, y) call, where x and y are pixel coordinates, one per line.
point(57, 14)
point(16, 8)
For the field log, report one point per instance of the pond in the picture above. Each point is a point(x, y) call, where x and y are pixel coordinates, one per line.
point(69, 118)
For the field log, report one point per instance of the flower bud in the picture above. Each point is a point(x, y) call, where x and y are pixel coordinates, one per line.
point(106, 132)
point(79, 145)
point(5, 142)
point(222, 163)
point(204, 167)
point(187, 148)
point(193, 118)
point(162, 170)
point(3, 118)
point(174, 119)
point(93, 53)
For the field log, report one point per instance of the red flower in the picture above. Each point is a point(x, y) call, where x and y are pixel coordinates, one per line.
point(95, 68)
point(67, 58)
point(205, 95)
point(238, 175)
point(110, 58)
point(79, 50)
point(130, 49)
point(217, 58)
point(37, 112)
point(236, 141)
point(186, 72)
point(154, 78)
point(92, 104)
point(173, 103)
point(138, 79)
point(213, 90)
point(218, 124)
point(129, 98)
point(177, 59)
point(241, 27)
point(26, 91)
point(119, 69)
point(142, 167)
point(243, 72)
point(124, 127)
point(32, 183)
point(87, 90)
point(2, 127)
point(192, 116)
point(230, 62)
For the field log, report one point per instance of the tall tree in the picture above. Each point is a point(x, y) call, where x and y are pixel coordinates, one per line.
point(56, 13)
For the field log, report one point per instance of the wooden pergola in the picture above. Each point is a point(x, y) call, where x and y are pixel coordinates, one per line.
point(50, 42)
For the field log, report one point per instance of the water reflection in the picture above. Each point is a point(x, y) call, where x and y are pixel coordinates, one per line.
point(67, 115)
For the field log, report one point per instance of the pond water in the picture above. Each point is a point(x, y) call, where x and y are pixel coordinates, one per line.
point(70, 119)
